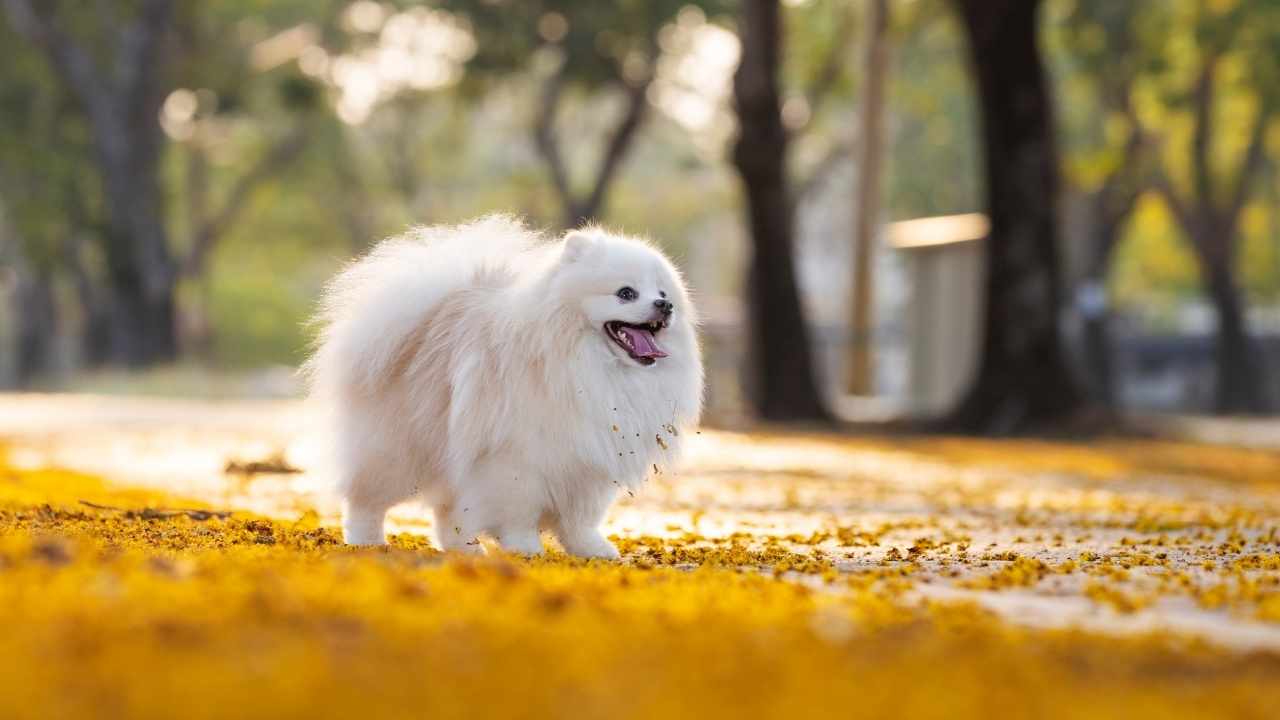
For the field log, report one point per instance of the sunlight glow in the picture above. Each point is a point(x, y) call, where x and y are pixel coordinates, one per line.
point(282, 47)
point(418, 49)
point(553, 27)
point(695, 74)
point(314, 61)
point(177, 115)
point(365, 16)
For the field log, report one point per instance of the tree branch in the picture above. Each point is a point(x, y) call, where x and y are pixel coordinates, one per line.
point(68, 59)
point(212, 229)
point(7, 233)
point(352, 201)
point(399, 157)
point(25, 20)
point(824, 81)
point(1121, 190)
point(1254, 156)
point(1181, 213)
point(1113, 203)
point(619, 143)
point(1202, 138)
point(545, 134)
point(139, 45)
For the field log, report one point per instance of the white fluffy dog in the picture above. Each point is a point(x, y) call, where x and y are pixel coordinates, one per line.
point(511, 382)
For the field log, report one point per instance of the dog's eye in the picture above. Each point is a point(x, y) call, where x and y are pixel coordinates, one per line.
point(627, 294)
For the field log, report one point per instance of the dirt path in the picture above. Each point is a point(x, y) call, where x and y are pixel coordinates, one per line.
point(1117, 536)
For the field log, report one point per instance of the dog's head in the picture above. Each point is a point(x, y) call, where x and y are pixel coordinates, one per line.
point(629, 295)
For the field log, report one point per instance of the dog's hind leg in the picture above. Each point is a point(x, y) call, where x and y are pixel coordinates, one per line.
point(371, 479)
point(371, 493)
point(362, 523)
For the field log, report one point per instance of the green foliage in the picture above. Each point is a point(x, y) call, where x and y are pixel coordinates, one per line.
point(602, 42)
point(1121, 66)
point(448, 153)
point(1153, 266)
point(936, 162)
point(932, 121)
point(42, 190)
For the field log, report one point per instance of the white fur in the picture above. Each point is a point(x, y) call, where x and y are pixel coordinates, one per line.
point(468, 366)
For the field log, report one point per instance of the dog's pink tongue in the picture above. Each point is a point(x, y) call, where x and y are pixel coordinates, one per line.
point(643, 343)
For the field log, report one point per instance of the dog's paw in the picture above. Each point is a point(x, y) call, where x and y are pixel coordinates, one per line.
point(604, 551)
point(527, 543)
point(590, 545)
point(363, 526)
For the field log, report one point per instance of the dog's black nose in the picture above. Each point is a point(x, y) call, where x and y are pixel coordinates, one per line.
point(664, 306)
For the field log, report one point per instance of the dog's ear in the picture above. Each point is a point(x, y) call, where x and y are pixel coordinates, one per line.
point(576, 245)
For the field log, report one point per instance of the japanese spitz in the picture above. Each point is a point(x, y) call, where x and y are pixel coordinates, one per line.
point(512, 382)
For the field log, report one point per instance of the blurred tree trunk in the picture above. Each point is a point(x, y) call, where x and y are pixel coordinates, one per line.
point(1095, 309)
point(1239, 382)
point(94, 300)
point(784, 387)
point(37, 319)
point(1103, 40)
point(867, 206)
point(33, 307)
point(1239, 386)
point(1210, 218)
point(121, 99)
point(95, 333)
point(1023, 383)
point(139, 270)
point(1110, 207)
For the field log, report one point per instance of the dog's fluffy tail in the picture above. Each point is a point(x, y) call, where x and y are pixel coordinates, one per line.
point(370, 309)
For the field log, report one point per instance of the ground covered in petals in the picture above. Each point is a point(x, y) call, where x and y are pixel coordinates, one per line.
point(777, 576)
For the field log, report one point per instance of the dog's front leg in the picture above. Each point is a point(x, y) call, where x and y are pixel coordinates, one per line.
point(577, 525)
point(587, 542)
point(458, 529)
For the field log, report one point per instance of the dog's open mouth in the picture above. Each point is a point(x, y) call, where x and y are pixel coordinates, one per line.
point(640, 341)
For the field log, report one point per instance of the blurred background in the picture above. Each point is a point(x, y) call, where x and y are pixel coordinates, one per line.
point(1005, 213)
